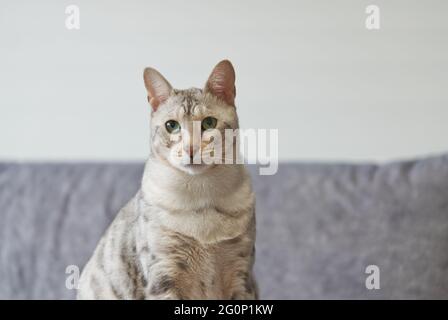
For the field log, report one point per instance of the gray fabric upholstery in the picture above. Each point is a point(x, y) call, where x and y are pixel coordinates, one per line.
point(319, 226)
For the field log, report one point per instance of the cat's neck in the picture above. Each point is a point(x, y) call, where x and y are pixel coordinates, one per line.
point(214, 206)
point(226, 186)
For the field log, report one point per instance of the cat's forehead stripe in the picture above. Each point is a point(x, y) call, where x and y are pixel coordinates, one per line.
point(189, 99)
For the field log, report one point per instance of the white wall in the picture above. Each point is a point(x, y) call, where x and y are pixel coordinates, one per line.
point(335, 90)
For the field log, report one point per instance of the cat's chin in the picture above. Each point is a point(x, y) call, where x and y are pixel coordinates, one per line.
point(192, 169)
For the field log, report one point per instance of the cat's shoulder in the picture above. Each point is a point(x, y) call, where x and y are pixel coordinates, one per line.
point(129, 213)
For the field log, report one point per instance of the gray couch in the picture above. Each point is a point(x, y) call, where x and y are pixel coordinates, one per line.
point(319, 227)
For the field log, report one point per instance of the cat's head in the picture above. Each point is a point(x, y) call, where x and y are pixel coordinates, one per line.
point(187, 124)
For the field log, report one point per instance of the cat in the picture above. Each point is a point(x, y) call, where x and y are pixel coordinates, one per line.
point(189, 232)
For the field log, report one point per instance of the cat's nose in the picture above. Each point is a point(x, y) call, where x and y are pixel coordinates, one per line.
point(190, 153)
point(190, 150)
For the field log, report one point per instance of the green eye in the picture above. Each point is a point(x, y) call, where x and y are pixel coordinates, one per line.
point(209, 123)
point(172, 126)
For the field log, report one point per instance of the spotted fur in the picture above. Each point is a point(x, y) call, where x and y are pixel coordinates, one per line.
point(184, 235)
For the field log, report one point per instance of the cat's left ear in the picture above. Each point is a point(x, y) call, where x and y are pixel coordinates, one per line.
point(221, 82)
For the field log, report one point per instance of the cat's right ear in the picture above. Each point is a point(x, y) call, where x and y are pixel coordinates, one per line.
point(157, 86)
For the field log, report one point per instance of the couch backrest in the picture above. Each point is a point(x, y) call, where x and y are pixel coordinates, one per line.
point(319, 227)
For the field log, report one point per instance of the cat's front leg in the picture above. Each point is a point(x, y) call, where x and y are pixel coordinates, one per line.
point(246, 287)
point(164, 287)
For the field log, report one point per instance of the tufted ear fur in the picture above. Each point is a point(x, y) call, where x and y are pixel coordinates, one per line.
point(221, 82)
point(157, 86)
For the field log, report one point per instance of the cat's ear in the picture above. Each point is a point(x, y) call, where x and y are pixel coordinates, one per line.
point(157, 86)
point(221, 82)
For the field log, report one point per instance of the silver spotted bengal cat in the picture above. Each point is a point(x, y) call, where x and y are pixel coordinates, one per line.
point(189, 232)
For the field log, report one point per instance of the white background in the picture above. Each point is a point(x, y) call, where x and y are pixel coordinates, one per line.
point(335, 90)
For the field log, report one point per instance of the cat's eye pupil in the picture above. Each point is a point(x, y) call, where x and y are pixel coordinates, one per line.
point(209, 123)
point(172, 126)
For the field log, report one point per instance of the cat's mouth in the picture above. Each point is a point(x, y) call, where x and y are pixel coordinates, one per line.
point(195, 165)
point(195, 168)
point(191, 165)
